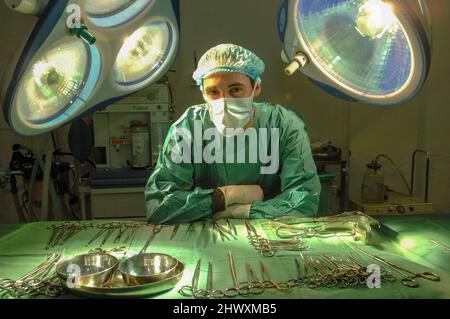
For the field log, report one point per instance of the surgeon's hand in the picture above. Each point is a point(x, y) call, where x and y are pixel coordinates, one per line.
point(242, 194)
point(235, 211)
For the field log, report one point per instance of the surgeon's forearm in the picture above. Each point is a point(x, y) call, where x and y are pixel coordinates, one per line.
point(178, 207)
point(293, 203)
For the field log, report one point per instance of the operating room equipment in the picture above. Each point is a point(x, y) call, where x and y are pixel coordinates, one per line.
point(61, 233)
point(156, 229)
point(440, 244)
point(373, 189)
point(147, 268)
point(256, 285)
point(267, 247)
point(190, 231)
point(115, 250)
point(354, 224)
point(395, 202)
point(193, 290)
point(330, 271)
point(371, 51)
point(410, 277)
point(223, 232)
point(31, 7)
point(232, 227)
point(212, 293)
point(89, 270)
point(238, 288)
point(42, 280)
point(281, 286)
point(174, 231)
point(204, 236)
point(44, 92)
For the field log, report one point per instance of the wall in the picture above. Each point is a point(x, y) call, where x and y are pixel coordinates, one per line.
point(366, 131)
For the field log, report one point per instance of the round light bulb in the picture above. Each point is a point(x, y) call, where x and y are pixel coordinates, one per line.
point(375, 18)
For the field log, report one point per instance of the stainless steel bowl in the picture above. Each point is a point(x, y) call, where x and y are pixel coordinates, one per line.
point(89, 270)
point(147, 268)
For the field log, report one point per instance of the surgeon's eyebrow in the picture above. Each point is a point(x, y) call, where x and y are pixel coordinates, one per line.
point(236, 84)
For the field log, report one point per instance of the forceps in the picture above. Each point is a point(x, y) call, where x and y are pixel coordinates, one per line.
point(440, 244)
point(282, 286)
point(209, 284)
point(256, 241)
point(156, 229)
point(232, 228)
point(174, 231)
point(256, 285)
point(407, 280)
point(238, 289)
point(193, 290)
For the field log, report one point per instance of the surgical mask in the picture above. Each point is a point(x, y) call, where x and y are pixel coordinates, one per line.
point(231, 112)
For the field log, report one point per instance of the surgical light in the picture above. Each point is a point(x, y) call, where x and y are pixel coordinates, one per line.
point(375, 18)
point(85, 55)
point(111, 13)
point(372, 51)
point(51, 84)
point(142, 53)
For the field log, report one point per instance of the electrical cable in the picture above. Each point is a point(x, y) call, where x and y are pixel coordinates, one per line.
point(396, 168)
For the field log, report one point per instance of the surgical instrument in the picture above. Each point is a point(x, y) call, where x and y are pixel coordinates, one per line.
point(440, 244)
point(256, 285)
point(209, 284)
point(174, 231)
point(268, 247)
point(193, 290)
point(204, 235)
point(232, 228)
point(190, 231)
point(155, 230)
point(121, 249)
point(282, 286)
point(222, 231)
point(238, 289)
point(42, 280)
point(407, 280)
point(61, 233)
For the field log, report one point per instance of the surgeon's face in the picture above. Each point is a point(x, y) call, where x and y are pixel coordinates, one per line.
point(228, 85)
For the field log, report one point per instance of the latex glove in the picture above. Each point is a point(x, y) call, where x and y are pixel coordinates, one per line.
point(242, 194)
point(234, 212)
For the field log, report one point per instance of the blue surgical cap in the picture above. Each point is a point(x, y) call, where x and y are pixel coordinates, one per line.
point(229, 58)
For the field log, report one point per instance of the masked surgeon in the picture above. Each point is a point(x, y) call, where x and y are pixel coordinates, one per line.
point(232, 158)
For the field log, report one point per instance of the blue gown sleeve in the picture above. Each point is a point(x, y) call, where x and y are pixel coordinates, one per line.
point(300, 184)
point(170, 194)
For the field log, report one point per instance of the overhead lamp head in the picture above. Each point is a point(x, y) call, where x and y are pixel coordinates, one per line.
point(372, 51)
point(67, 71)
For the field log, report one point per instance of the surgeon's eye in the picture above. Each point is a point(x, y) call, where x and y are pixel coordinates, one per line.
point(235, 91)
point(212, 93)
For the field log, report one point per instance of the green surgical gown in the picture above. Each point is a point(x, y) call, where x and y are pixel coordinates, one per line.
point(179, 191)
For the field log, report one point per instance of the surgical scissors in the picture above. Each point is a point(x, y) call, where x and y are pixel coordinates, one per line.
point(193, 290)
point(407, 280)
